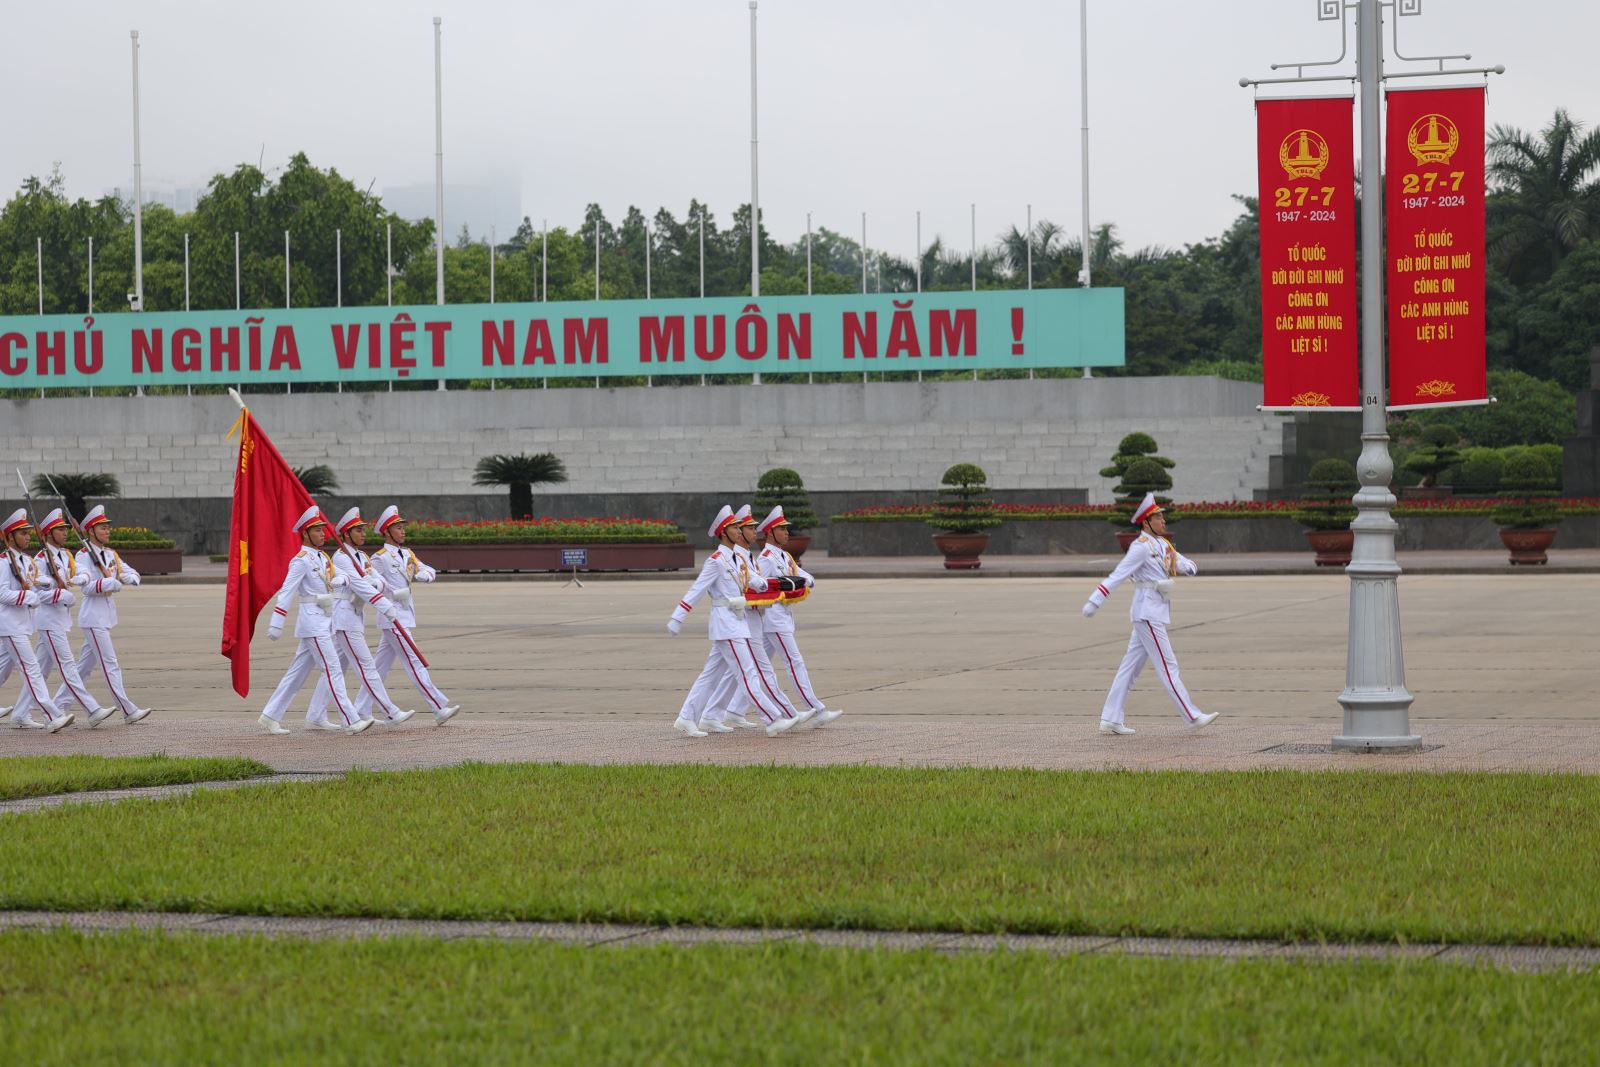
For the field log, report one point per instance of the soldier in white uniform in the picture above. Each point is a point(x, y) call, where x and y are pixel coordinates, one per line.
point(362, 587)
point(18, 598)
point(724, 577)
point(729, 702)
point(401, 570)
point(778, 622)
point(97, 614)
point(312, 578)
point(1154, 565)
point(59, 576)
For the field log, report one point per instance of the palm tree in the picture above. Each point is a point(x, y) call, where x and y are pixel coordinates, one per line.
point(318, 479)
point(1545, 195)
point(75, 488)
point(520, 473)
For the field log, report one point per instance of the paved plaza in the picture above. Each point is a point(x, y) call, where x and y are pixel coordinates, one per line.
point(937, 671)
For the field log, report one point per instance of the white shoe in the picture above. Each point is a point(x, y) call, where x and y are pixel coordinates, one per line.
point(688, 729)
point(740, 721)
point(271, 725)
point(57, 725)
point(824, 716)
point(803, 717)
point(785, 724)
point(324, 724)
point(1109, 727)
point(445, 714)
point(29, 723)
point(718, 728)
point(98, 716)
point(398, 719)
point(357, 726)
point(136, 715)
point(1203, 718)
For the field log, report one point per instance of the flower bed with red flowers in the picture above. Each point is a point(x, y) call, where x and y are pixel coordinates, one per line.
point(1223, 509)
point(591, 531)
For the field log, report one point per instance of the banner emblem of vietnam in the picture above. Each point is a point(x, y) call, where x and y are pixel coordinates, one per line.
point(1433, 138)
point(1304, 154)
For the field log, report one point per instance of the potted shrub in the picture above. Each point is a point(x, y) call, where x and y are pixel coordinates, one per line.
point(519, 474)
point(782, 487)
point(1528, 516)
point(1438, 453)
point(962, 513)
point(1143, 475)
point(1325, 511)
point(1478, 473)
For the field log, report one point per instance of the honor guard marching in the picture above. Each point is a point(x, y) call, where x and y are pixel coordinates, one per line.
point(60, 576)
point(362, 587)
point(107, 576)
point(724, 577)
point(401, 570)
point(19, 596)
point(1153, 564)
point(314, 581)
point(729, 702)
point(778, 622)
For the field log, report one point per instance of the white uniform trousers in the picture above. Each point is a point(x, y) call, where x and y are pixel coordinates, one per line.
point(314, 654)
point(355, 656)
point(741, 675)
point(391, 648)
point(54, 652)
point(783, 650)
point(16, 654)
point(733, 701)
point(699, 701)
point(1148, 644)
point(99, 652)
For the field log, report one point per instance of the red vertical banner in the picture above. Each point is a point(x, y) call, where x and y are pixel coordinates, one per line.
point(1434, 200)
point(1309, 340)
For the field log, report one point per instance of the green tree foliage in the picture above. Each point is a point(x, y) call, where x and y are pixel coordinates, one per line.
point(964, 505)
point(783, 487)
point(1325, 504)
point(1528, 410)
point(519, 474)
point(75, 488)
point(317, 479)
point(1438, 453)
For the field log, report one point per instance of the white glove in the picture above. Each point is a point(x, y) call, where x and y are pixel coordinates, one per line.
point(1189, 567)
point(274, 631)
point(30, 599)
point(325, 602)
point(388, 611)
point(339, 581)
point(427, 574)
point(1089, 608)
point(673, 626)
point(65, 598)
point(132, 581)
point(79, 580)
point(109, 586)
point(402, 596)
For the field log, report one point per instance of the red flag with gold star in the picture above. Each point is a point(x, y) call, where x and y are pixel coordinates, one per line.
point(267, 499)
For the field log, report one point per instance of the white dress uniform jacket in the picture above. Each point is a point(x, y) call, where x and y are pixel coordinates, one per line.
point(724, 577)
point(1150, 559)
point(107, 575)
point(312, 578)
point(362, 587)
point(399, 568)
point(56, 598)
point(776, 563)
point(18, 597)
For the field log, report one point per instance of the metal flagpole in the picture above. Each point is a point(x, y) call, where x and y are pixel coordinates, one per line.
point(388, 262)
point(808, 253)
point(597, 259)
point(1376, 703)
point(91, 275)
point(647, 261)
point(286, 268)
point(755, 184)
point(186, 272)
point(38, 259)
point(338, 267)
point(919, 251)
point(138, 190)
point(1029, 239)
point(238, 290)
point(491, 264)
point(702, 251)
point(974, 247)
point(544, 259)
point(1083, 67)
point(863, 253)
point(438, 162)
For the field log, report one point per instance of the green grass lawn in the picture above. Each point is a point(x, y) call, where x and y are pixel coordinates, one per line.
point(142, 997)
point(1335, 855)
point(37, 776)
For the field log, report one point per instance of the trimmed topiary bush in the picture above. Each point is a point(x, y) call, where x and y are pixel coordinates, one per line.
point(1478, 471)
point(782, 487)
point(1145, 474)
point(1528, 482)
point(964, 505)
point(1438, 453)
point(1325, 505)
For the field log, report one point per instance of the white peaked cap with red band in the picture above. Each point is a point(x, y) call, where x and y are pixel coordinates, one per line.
point(52, 521)
point(351, 518)
point(1147, 508)
point(97, 515)
point(312, 516)
point(742, 516)
point(774, 518)
point(388, 517)
point(723, 520)
point(17, 520)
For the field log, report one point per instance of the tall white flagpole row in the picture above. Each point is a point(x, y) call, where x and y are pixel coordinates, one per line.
point(438, 164)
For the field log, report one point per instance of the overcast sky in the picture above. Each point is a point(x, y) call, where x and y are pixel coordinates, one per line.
point(882, 106)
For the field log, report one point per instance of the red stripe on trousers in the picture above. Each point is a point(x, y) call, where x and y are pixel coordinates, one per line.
point(405, 654)
point(100, 657)
point(328, 674)
point(745, 679)
point(23, 667)
point(763, 675)
point(1163, 655)
point(82, 698)
point(356, 663)
point(810, 699)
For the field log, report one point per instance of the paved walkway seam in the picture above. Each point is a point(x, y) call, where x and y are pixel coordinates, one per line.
point(1528, 958)
point(175, 789)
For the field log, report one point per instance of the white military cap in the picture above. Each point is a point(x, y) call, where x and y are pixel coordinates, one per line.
point(351, 518)
point(312, 516)
point(723, 520)
point(774, 518)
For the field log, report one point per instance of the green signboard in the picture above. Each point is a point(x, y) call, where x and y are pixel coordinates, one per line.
point(602, 338)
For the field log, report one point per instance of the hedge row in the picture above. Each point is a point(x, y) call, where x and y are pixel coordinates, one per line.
point(1241, 509)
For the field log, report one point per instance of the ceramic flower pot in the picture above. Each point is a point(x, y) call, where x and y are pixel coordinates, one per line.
point(1331, 546)
point(1527, 547)
point(961, 551)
